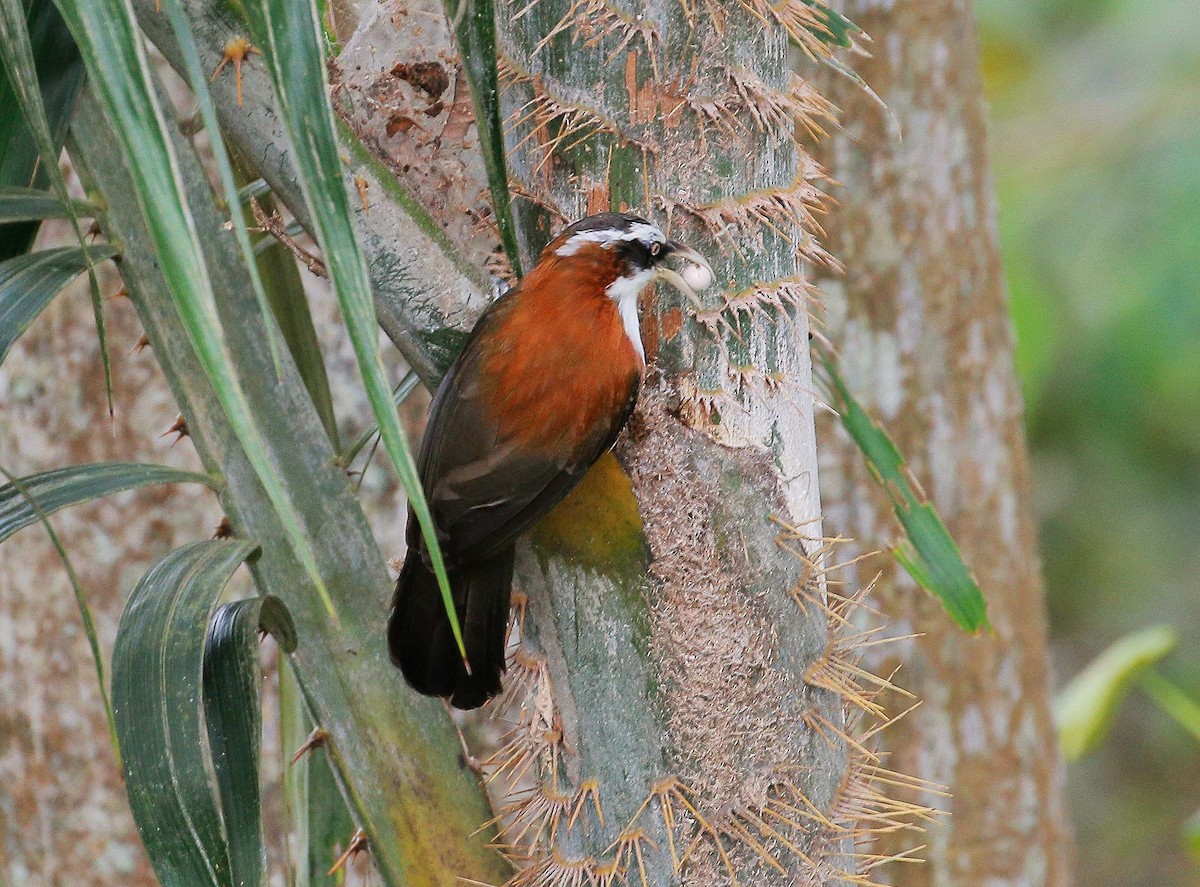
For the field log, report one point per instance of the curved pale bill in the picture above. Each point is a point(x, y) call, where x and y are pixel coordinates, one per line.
point(674, 278)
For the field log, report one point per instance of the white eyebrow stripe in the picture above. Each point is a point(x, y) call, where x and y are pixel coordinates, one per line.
point(606, 236)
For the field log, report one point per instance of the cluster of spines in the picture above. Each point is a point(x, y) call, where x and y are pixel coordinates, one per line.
point(866, 805)
point(548, 125)
point(775, 822)
point(768, 109)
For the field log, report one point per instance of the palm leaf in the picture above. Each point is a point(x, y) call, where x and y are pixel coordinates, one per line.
point(158, 664)
point(475, 32)
point(28, 282)
point(285, 292)
point(1086, 707)
point(59, 73)
point(929, 553)
point(22, 74)
point(119, 72)
point(19, 204)
point(233, 717)
point(289, 33)
point(61, 487)
point(199, 84)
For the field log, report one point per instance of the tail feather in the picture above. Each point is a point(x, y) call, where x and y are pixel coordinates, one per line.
point(422, 643)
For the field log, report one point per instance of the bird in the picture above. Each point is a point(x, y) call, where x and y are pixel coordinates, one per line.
point(547, 379)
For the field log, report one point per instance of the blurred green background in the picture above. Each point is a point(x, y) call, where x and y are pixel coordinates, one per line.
point(1096, 147)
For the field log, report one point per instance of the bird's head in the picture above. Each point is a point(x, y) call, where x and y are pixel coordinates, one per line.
point(632, 253)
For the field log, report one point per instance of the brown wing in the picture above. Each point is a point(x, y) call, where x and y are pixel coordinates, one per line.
point(489, 477)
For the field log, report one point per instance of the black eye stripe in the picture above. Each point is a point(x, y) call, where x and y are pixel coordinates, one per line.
point(636, 253)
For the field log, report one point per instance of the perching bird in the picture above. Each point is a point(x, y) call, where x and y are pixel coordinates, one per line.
point(546, 381)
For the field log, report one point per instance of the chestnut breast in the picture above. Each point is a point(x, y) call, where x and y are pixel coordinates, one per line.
point(562, 367)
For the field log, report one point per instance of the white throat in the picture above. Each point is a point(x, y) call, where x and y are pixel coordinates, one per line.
point(625, 292)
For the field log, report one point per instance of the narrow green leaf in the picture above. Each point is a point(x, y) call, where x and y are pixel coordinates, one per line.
point(30, 204)
point(475, 31)
point(60, 74)
point(1178, 705)
point(285, 291)
point(289, 34)
point(1087, 705)
point(399, 394)
point(61, 487)
point(22, 74)
point(112, 49)
point(930, 554)
point(199, 84)
point(233, 717)
point(835, 28)
point(313, 803)
point(157, 689)
point(257, 188)
point(28, 282)
point(85, 610)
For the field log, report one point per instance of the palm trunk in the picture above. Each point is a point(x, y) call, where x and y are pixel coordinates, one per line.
point(921, 322)
point(671, 705)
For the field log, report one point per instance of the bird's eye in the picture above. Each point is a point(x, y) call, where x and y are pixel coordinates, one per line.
point(655, 249)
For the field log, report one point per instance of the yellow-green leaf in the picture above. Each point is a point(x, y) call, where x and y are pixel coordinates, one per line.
point(1087, 705)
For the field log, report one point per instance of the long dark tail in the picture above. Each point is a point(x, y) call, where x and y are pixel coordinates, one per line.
point(420, 639)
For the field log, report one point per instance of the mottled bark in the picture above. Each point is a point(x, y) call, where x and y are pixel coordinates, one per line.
point(64, 818)
point(921, 323)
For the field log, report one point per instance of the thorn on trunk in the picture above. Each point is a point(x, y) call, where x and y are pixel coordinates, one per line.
point(318, 737)
point(472, 763)
point(465, 758)
point(122, 293)
point(358, 843)
point(179, 428)
point(93, 230)
point(140, 345)
point(362, 184)
point(224, 529)
point(237, 50)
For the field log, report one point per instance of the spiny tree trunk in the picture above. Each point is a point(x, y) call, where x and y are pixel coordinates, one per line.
point(921, 322)
point(675, 673)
